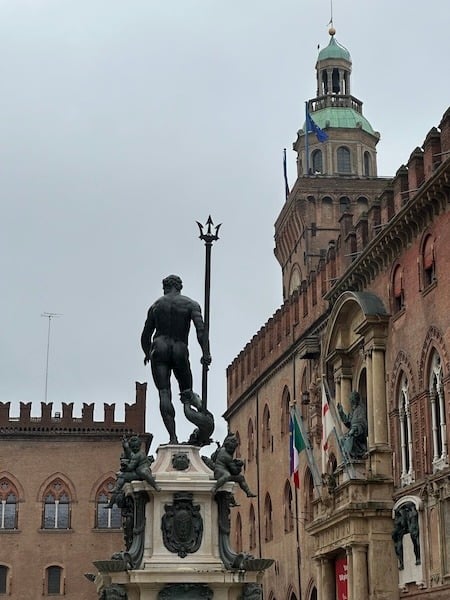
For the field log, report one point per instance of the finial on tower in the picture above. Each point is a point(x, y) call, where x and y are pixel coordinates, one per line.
point(331, 30)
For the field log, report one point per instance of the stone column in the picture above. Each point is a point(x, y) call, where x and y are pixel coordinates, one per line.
point(379, 398)
point(346, 390)
point(369, 399)
point(360, 587)
point(348, 551)
point(327, 584)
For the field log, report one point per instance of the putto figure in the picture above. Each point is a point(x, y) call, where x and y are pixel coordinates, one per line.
point(134, 465)
point(164, 341)
point(226, 468)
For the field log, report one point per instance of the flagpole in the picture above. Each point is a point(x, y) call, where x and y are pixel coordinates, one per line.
point(286, 184)
point(306, 138)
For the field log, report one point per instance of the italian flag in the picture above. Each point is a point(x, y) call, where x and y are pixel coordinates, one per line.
point(297, 446)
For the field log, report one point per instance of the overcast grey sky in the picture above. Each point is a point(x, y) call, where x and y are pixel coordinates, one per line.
point(125, 122)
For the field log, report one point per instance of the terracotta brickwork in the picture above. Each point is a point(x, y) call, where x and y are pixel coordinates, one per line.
point(68, 459)
point(371, 314)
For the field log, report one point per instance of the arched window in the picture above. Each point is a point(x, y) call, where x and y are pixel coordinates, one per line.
point(266, 435)
point(238, 533)
point(327, 209)
point(285, 408)
point(250, 441)
point(4, 572)
point(428, 263)
point(56, 512)
point(344, 204)
point(54, 581)
point(367, 164)
point(292, 596)
point(437, 406)
point(295, 279)
point(238, 447)
point(406, 444)
point(344, 164)
point(287, 506)
point(268, 530)
point(397, 290)
point(252, 528)
point(309, 497)
point(362, 204)
point(8, 507)
point(317, 162)
point(107, 518)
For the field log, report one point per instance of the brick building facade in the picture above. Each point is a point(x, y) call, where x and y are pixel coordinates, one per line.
point(56, 474)
point(365, 286)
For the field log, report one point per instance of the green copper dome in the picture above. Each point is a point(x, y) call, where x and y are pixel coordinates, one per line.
point(334, 50)
point(342, 118)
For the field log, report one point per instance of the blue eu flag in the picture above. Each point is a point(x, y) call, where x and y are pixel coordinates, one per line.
point(321, 135)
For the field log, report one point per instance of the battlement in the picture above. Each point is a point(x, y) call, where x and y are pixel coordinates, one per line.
point(65, 422)
point(358, 247)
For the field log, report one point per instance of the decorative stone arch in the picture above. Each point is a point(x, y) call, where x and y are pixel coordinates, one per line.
point(401, 364)
point(291, 594)
point(15, 482)
point(98, 484)
point(285, 411)
point(66, 482)
point(311, 590)
point(355, 341)
point(295, 278)
point(288, 508)
point(433, 340)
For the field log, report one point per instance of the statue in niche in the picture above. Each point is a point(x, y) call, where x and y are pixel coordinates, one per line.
point(134, 466)
point(226, 468)
point(413, 528)
point(355, 440)
point(406, 520)
point(164, 341)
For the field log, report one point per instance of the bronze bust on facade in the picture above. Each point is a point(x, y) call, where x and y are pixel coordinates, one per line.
point(164, 341)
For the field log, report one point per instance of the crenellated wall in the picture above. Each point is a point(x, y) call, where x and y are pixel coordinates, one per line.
point(64, 422)
point(353, 236)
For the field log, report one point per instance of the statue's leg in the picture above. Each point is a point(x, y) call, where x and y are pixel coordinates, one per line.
point(168, 414)
point(181, 366)
point(160, 362)
point(240, 479)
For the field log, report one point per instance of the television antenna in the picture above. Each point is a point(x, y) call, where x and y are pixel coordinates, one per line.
point(49, 316)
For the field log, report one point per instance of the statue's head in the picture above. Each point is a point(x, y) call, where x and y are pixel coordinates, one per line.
point(135, 443)
point(172, 282)
point(231, 442)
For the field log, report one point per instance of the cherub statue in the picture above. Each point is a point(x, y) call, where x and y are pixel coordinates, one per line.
point(227, 468)
point(134, 465)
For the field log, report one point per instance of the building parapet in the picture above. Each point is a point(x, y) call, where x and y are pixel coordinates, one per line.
point(50, 421)
point(354, 258)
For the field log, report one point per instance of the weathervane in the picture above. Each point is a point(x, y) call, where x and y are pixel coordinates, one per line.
point(209, 236)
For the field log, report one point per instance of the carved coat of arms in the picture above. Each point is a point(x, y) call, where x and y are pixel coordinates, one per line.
point(182, 525)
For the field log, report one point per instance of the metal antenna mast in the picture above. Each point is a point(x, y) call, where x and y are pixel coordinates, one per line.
point(48, 316)
point(209, 236)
